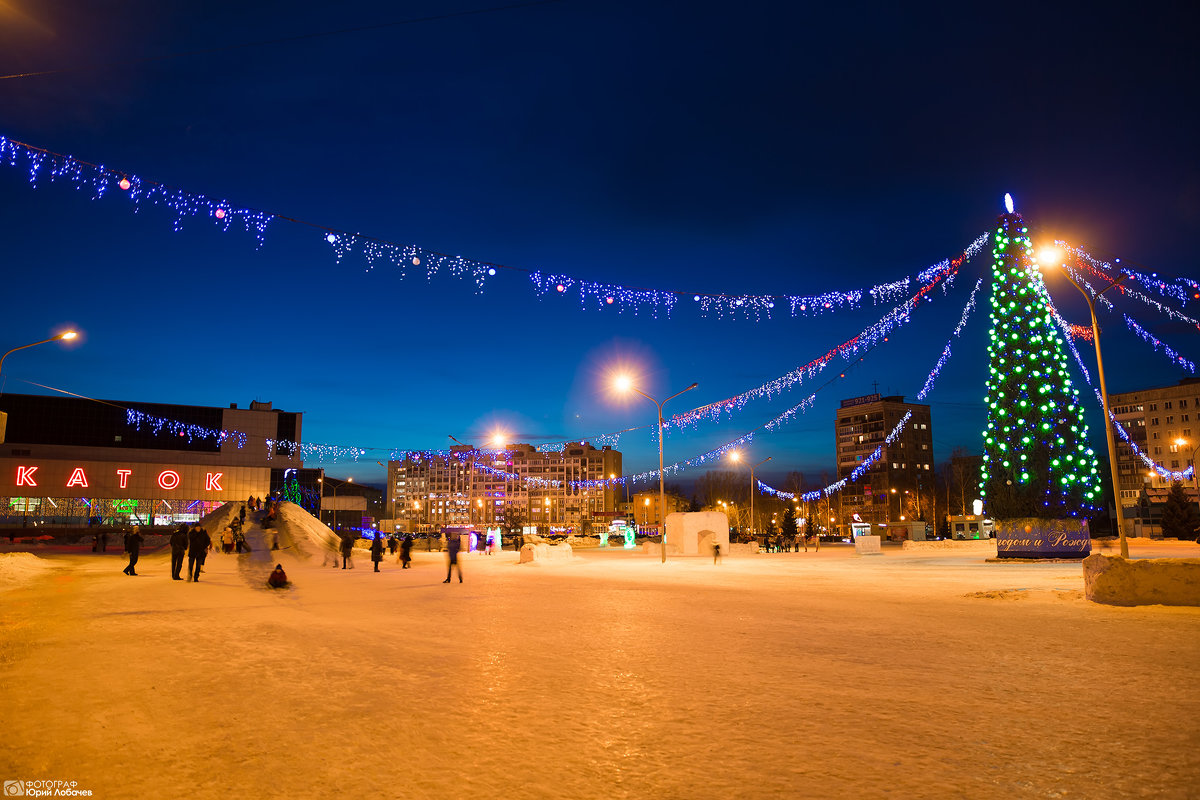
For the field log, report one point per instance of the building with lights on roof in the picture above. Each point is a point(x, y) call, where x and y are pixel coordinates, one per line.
point(1155, 421)
point(71, 460)
point(904, 471)
point(465, 486)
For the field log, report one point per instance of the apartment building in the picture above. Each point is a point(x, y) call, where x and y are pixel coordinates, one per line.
point(1155, 420)
point(894, 484)
point(467, 486)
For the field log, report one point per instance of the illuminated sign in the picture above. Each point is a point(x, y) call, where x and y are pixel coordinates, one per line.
point(25, 476)
point(168, 479)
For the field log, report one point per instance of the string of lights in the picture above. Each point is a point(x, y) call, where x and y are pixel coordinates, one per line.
point(1159, 470)
point(100, 181)
point(1182, 289)
point(1158, 344)
point(962, 323)
point(869, 338)
point(930, 380)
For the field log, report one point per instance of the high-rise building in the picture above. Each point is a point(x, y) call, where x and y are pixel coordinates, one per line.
point(902, 478)
point(1155, 420)
point(466, 486)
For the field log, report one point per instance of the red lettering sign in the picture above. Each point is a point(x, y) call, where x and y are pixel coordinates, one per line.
point(25, 476)
point(168, 479)
point(78, 478)
point(123, 474)
point(212, 482)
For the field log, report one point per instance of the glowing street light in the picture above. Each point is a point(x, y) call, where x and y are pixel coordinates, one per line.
point(64, 336)
point(623, 383)
point(1108, 425)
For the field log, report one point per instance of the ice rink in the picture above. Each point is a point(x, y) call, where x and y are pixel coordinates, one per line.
point(816, 674)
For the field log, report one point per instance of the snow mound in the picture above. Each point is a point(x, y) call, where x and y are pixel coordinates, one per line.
point(306, 532)
point(20, 567)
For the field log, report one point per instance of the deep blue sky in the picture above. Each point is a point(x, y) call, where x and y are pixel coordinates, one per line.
point(756, 147)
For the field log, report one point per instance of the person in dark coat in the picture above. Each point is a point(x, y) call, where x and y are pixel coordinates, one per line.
point(377, 550)
point(347, 551)
point(406, 551)
point(103, 541)
point(133, 546)
point(179, 543)
point(453, 545)
point(391, 543)
point(198, 543)
point(278, 578)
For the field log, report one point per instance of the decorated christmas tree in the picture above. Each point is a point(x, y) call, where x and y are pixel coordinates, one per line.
point(1036, 462)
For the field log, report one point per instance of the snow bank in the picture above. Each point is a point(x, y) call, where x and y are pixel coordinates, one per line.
point(16, 568)
point(545, 552)
point(952, 544)
point(1142, 582)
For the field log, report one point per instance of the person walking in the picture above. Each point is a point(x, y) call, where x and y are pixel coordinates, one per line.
point(453, 545)
point(103, 541)
point(391, 543)
point(198, 543)
point(179, 543)
point(716, 552)
point(406, 551)
point(133, 546)
point(377, 550)
point(347, 551)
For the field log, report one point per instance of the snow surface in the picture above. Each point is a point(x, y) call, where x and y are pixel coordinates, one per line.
point(609, 675)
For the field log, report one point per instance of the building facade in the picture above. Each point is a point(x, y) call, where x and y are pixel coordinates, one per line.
point(1155, 420)
point(478, 487)
point(71, 460)
point(903, 473)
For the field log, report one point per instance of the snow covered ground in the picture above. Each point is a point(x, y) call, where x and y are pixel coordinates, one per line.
point(911, 674)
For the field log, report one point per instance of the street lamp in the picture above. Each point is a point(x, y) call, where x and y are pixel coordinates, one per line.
point(65, 335)
point(736, 456)
point(1195, 475)
point(1108, 432)
point(625, 384)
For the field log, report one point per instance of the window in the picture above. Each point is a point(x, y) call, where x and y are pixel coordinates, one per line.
point(1167, 406)
point(1170, 419)
point(1157, 450)
point(1154, 420)
point(1154, 406)
point(1175, 464)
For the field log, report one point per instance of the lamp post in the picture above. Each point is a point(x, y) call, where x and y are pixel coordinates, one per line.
point(470, 478)
point(1192, 458)
point(1108, 432)
point(736, 456)
point(626, 384)
point(65, 335)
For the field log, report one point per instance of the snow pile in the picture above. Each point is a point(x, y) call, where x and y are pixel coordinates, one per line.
point(305, 532)
point(18, 568)
point(951, 544)
point(1150, 581)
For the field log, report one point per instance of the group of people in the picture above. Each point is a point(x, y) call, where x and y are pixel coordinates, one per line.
point(399, 546)
point(195, 541)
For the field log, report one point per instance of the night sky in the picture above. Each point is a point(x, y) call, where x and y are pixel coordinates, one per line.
point(741, 148)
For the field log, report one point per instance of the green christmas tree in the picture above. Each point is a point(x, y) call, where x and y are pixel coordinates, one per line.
point(1036, 461)
point(1180, 519)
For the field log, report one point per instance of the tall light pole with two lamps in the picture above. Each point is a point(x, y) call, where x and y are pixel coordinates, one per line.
point(332, 511)
point(736, 456)
point(624, 383)
point(1052, 257)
